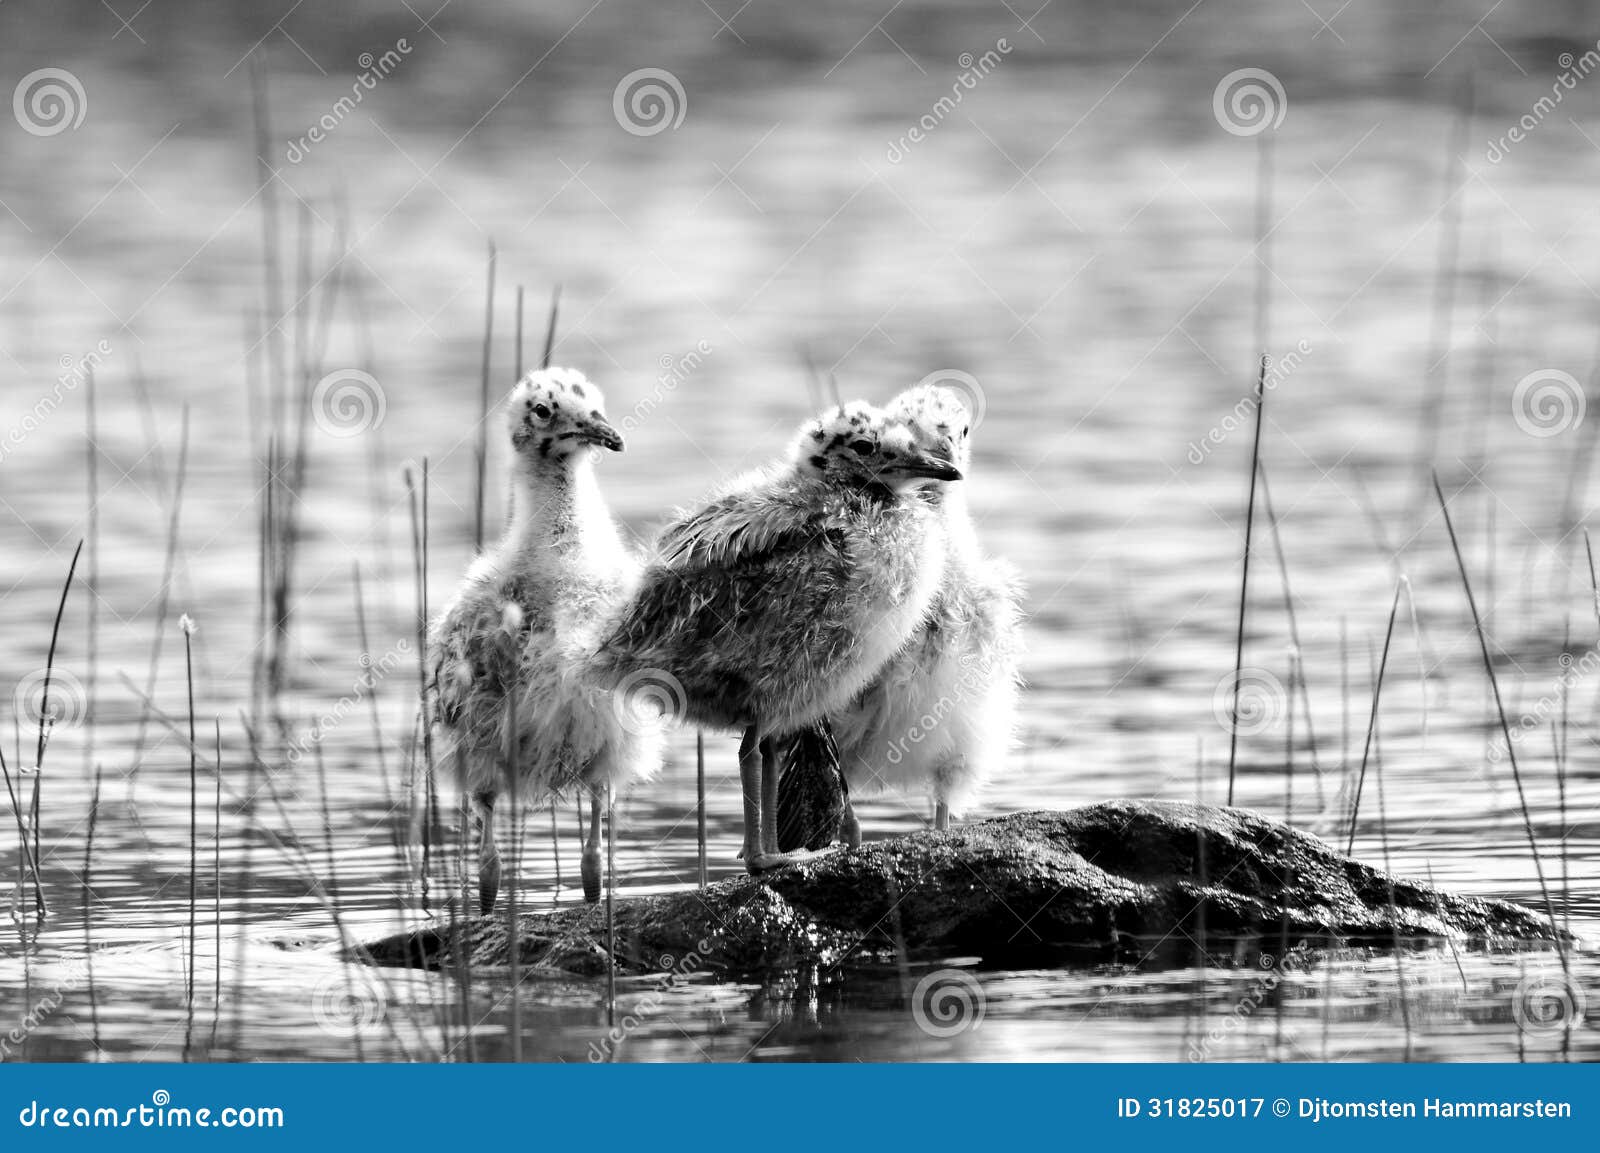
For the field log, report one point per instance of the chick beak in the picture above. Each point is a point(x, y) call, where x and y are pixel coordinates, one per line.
point(933, 467)
point(597, 431)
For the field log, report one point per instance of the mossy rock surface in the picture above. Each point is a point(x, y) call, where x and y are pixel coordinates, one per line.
point(1112, 880)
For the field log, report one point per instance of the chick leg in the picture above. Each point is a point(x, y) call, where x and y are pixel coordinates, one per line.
point(770, 856)
point(750, 783)
point(941, 816)
point(771, 769)
point(488, 852)
point(590, 866)
point(849, 826)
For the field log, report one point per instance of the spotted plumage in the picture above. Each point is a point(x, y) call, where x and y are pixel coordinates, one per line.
point(938, 718)
point(510, 652)
point(781, 597)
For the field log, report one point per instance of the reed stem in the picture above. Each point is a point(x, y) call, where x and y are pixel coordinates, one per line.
point(1372, 718)
point(550, 328)
point(481, 451)
point(700, 801)
point(1442, 313)
point(187, 627)
point(419, 550)
point(41, 907)
point(92, 654)
point(611, 908)
point(1244, 576)
point(164, 602)
point(1304, 694)
point(194, 804)
point(1388, 877)
point(216, 888)
point(87, 901)
point(1505, 726)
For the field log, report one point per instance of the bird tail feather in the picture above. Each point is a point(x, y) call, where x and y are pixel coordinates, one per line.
point(812, 793)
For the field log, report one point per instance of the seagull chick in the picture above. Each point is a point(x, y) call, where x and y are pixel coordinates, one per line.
point(510, 653)
point(779, 599)
point(939, 717)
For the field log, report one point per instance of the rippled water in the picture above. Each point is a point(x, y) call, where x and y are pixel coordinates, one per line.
point(1100, 293)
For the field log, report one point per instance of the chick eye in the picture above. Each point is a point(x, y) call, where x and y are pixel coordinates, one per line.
point(966, 428)
point(862, 447)
point(541, 412)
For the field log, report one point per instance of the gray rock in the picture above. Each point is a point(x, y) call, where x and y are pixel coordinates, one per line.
point(1118, 879)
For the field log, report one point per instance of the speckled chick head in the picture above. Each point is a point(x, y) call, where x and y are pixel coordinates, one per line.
point(939, 421)
point(859, 445)
point(556, 413)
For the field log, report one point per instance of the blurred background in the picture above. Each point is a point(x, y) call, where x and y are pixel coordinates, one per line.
point(1094, 217)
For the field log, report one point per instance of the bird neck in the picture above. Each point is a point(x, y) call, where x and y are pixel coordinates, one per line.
point(949, 499)
point(950, 504)
point(552, 500)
